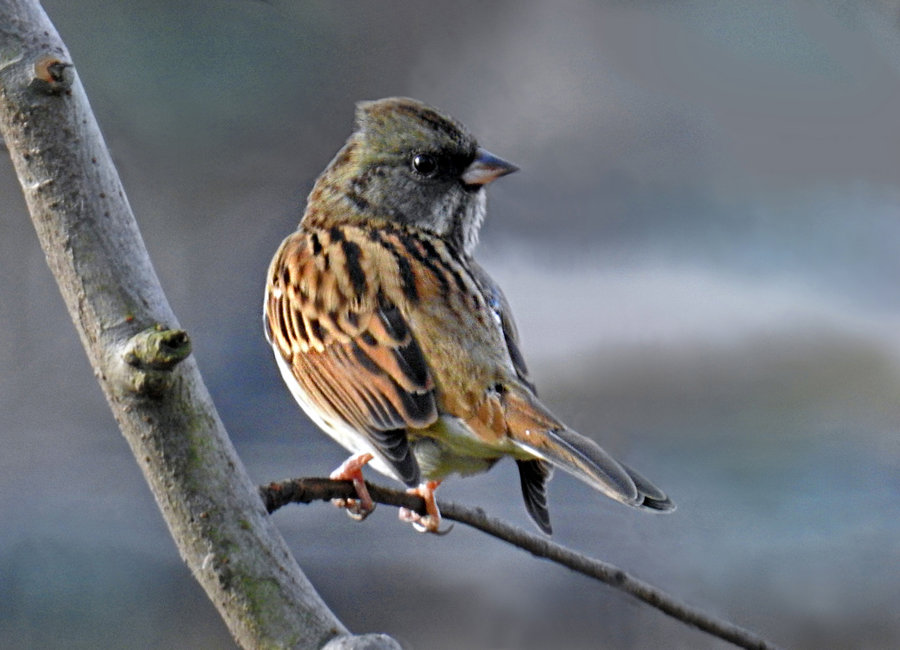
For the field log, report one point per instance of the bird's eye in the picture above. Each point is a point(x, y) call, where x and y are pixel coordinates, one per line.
point(424, 164)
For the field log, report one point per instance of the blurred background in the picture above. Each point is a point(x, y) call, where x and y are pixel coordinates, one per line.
point(702, 249)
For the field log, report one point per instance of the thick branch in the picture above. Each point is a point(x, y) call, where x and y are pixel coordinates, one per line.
point(307, 490)
point(139, 354)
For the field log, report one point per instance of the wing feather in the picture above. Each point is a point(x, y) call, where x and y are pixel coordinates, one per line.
point(332, 315)
point(535, 474)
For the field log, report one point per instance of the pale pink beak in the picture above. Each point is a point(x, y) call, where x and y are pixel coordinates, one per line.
point(485, 168)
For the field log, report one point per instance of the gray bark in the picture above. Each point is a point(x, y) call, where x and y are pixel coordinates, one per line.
point(138, 352)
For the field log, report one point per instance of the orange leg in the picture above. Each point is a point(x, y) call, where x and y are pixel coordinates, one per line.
point(351, 470)
point(431, 522)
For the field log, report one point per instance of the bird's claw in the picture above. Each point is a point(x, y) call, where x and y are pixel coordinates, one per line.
point(351, 470)
point(356, 509)
point(424, 524)
point(431, 522)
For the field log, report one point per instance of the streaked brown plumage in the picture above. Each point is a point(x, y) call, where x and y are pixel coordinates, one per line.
point(395, 341)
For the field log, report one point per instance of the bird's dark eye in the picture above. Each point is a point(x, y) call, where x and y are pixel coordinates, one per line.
point(424, 164)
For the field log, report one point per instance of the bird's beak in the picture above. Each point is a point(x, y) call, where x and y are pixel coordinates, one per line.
point(485, 168)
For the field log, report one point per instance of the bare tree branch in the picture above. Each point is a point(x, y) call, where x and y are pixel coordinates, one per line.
point(307, 490)
point(139, 353)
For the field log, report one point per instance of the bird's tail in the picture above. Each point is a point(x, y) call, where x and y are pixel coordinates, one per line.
point(533, 428)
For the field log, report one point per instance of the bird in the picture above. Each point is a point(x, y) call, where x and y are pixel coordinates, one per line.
point(396, 342)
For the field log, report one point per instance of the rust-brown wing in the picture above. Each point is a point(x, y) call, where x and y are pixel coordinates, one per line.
point(331, 314)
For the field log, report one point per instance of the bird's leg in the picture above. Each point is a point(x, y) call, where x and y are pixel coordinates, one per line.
point(430, 523)
point(351, 470)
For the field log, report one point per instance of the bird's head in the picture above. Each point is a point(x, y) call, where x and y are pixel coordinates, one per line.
point(410, 163)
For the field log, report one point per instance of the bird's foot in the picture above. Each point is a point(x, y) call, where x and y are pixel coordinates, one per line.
point(351, 470)
point(431, 522)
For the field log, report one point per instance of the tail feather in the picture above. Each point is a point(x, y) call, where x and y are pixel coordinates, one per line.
point(586, 460)
point(533, 428)
point(533, 475)
point(654, 498)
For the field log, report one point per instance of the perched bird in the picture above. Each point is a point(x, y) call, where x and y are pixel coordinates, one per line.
point(396, 342)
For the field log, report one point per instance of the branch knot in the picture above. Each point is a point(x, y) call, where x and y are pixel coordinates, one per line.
point(52, 76)
point(153, 353)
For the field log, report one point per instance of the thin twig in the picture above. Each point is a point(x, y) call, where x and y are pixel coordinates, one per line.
point(306, 490)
